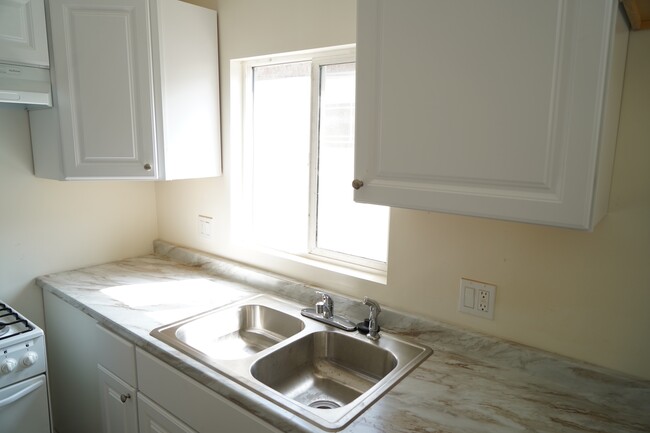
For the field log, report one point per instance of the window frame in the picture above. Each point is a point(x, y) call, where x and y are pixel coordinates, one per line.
point(242, 105)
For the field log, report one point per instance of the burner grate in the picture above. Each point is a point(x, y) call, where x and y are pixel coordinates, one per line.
point(11, 323)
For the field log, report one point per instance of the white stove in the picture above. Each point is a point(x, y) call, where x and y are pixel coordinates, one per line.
point(24, 400)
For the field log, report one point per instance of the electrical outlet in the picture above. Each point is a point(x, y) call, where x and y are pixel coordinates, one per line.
point(483, 301)
point(477, 298)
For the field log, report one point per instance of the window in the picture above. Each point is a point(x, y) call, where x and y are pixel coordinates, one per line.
point(298, 160)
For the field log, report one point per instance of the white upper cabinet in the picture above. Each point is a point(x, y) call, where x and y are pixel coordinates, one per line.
point(504, 109)
point(23, 36)
point(136, 92)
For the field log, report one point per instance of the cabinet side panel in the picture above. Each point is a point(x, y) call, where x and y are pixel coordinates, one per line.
point(72, 366)
point(46, 143)
point(609, 131)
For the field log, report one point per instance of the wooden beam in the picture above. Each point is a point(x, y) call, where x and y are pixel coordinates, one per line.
point(638, 13)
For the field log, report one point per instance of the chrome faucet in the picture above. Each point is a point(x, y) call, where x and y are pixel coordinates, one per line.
point(373, 324)
point(323, 311)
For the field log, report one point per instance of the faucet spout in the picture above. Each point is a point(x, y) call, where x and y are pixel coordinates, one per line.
point(373, 323)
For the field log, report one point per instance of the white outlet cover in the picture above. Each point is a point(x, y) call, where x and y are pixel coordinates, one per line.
point(205, 226)
point(472, 296)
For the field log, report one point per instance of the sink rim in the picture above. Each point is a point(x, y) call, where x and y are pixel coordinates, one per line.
point(239, 370)
point(167, 333)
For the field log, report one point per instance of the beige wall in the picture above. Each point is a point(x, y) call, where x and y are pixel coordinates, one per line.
point(48, 226)
point(584, 295)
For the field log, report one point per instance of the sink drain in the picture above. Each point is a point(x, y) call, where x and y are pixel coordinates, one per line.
point(324, 404)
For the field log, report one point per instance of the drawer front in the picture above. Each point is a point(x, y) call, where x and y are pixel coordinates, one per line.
point(199, 407)
point(116, 355)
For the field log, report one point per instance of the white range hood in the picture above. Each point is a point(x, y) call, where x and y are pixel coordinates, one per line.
point(24, 57)
point(25, 86)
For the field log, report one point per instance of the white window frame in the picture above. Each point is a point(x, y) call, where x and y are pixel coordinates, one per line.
point(241, 135)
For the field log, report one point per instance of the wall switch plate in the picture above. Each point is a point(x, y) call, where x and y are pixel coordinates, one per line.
point(205, 226)
point(477, 298)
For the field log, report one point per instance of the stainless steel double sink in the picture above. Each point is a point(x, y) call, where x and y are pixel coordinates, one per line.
point(324, 375)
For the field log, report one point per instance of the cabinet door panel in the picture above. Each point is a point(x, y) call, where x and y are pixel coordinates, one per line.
point(483, 108)
point(154, 419)
point(23, 38)
point(103, 76)
point(118, 406)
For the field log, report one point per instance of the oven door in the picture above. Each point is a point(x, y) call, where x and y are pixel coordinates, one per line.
point(24, 407)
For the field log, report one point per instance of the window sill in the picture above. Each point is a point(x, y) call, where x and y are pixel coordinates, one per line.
point(331, 265)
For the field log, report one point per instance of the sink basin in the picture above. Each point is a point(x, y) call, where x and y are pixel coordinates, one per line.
point(329, 377)
point(324, 370)
point(324, 375)
point(231, 333)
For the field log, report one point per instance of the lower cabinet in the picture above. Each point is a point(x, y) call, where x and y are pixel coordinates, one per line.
point(103, 383)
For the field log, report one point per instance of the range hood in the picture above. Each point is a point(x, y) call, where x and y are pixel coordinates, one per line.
point(25, 86)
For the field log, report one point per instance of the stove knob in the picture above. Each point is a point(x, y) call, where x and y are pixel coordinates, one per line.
point(8, 365)
point(29, 358)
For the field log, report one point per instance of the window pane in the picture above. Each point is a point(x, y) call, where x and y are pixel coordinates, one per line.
point(281, 134)
point(344, 226)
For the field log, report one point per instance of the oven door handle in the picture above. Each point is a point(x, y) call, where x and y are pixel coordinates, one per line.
point(20, 394)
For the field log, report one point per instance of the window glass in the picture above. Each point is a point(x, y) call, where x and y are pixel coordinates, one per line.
point(280, 171)
point(343, 225)
point(298, 161)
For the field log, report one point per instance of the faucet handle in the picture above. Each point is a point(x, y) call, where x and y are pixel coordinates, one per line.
point(325, 306)
point(373, 323)
point(326, 298)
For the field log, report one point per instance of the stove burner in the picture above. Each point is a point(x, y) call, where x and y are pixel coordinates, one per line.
point(11, 323)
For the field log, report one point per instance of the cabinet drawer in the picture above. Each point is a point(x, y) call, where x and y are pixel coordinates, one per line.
point(199, 407)
point(116, 354)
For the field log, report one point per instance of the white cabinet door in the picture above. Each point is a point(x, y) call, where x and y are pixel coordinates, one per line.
point(154, 419)
point(103, 70)
point(23, 36)
point(135, 92)
point(118, 404)
point(502, 109)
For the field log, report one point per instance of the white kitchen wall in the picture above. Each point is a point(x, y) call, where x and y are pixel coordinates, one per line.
point(584, 295)
point(48, 226)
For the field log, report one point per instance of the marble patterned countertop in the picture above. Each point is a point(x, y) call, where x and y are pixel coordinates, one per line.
point(471, 383)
